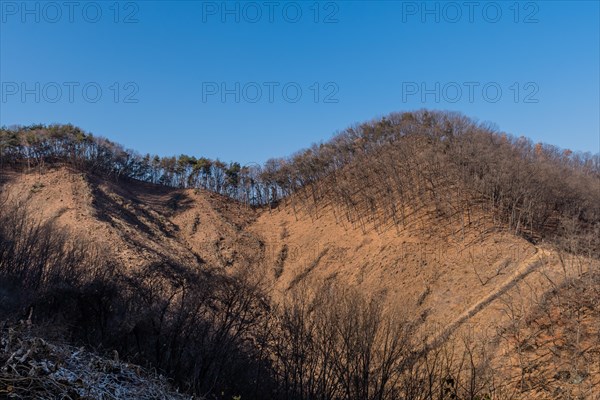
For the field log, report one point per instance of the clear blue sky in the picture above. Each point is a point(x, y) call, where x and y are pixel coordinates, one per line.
point(367, 59)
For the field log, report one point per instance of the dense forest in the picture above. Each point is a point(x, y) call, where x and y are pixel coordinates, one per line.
point(413, 159)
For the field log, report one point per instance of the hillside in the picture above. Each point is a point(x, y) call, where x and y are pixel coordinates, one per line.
point(484, 262)
point(446, 279)
point(139, 222)
point(436, 273)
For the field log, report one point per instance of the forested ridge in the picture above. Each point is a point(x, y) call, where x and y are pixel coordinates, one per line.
point(375, 173)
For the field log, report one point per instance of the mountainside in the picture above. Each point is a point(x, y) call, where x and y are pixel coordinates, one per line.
point(139, 223)
point(491, 263)
point(429, 268)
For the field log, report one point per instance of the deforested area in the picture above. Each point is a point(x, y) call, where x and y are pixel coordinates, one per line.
point(421, 255)
point(300, 200)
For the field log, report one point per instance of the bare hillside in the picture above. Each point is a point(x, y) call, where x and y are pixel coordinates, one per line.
point(139, 222)
point(421, 256)
point(437, 273)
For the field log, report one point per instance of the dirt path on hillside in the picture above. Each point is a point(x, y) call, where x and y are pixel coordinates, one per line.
point(525, 268)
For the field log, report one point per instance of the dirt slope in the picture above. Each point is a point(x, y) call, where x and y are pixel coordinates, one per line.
point(453, 279)
point(139, 222)
point(478, 283)
point(438, 277)
point(439, 273)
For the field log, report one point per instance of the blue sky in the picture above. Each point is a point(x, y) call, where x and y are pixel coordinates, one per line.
point(247, 81)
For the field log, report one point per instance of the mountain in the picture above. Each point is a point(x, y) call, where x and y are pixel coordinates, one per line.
point(418, 256)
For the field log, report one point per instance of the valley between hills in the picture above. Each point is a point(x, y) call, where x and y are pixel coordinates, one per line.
point(420, 256)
